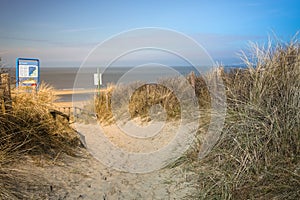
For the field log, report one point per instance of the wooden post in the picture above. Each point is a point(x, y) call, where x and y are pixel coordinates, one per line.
point(5, 81)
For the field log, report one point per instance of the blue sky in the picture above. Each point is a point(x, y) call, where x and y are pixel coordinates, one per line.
point(62, 33)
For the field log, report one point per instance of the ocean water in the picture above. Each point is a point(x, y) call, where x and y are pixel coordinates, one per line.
point(69, 78)
point(80, 79)
point(83, 78)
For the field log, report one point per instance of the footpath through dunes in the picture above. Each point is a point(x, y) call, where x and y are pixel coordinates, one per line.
point(84, 177)
point(92, 174)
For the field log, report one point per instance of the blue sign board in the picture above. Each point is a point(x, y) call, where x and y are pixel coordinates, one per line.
point(27, 72)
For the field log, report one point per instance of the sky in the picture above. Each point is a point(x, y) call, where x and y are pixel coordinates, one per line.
point(63, 33)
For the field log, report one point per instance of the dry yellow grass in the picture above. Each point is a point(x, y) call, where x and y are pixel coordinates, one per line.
point(29, 129)
point(257, 156)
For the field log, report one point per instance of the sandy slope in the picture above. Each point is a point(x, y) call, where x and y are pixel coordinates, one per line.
point(85, 177)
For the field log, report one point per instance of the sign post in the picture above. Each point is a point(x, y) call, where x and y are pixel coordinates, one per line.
point(27, 73)
point(98, 80)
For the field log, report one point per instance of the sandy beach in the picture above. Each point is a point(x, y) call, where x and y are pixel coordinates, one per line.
point(64, 97)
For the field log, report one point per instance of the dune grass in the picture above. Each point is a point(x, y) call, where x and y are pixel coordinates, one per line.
point(257, 156)
point(29, 129)
point(137, 99)
point(258, 153)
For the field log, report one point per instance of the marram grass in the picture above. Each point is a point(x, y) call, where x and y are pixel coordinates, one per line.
point(258, 154)
point(29, 129)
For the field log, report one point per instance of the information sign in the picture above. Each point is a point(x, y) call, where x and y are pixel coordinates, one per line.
point(27, 72)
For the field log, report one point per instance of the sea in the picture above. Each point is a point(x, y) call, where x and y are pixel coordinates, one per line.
point(68, 78)
point(86, 78)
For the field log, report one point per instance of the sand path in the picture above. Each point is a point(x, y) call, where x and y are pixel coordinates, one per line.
point(85, 177)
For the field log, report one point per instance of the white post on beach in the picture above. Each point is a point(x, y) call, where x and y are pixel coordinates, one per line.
point(99, 80)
